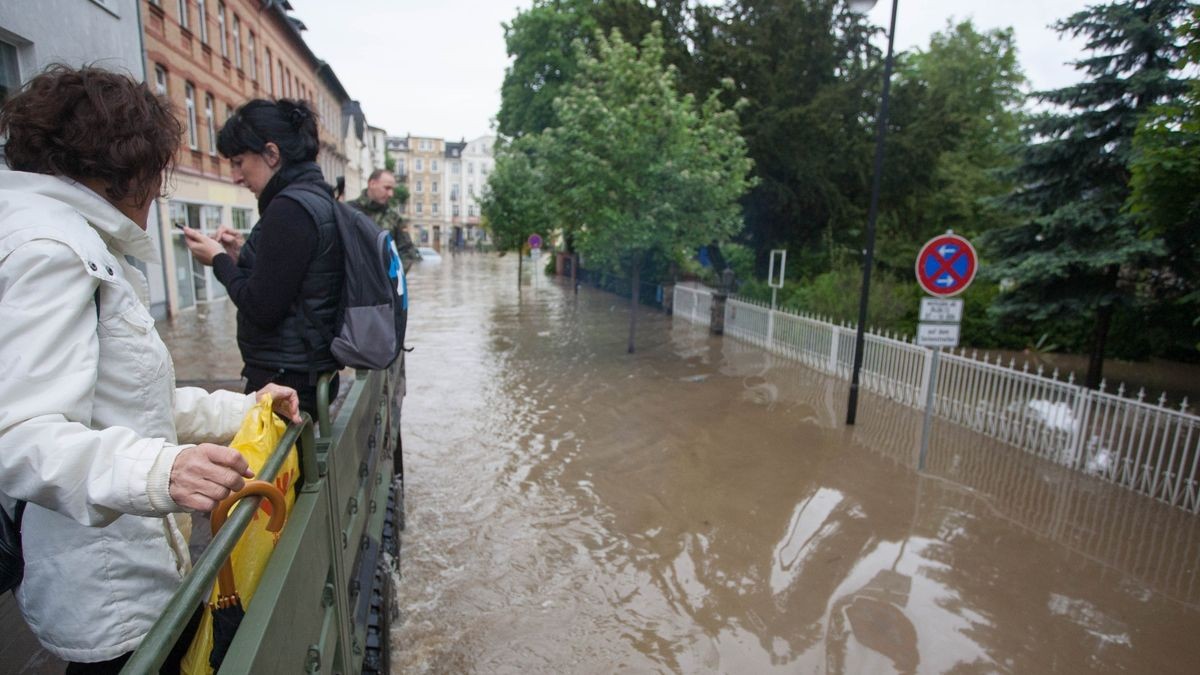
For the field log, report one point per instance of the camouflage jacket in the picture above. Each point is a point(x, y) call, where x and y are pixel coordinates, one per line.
point(389, 219)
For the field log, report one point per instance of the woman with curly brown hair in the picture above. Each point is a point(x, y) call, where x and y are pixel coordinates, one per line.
point(94, 436)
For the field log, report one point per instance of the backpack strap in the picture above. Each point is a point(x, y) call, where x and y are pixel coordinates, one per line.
point(308, 195)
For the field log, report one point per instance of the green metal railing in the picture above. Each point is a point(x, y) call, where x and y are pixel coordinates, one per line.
point(157, 644)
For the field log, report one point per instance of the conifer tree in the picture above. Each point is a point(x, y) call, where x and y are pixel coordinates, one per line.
point(1077, 252)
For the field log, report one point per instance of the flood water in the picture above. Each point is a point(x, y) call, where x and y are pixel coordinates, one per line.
point(699, 507)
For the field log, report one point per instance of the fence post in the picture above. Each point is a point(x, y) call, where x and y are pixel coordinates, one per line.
point(926, 372)
point(668, 303)
point(835, 341)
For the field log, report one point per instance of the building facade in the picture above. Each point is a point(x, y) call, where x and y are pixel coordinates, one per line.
point(105, 33)
point(478, 162)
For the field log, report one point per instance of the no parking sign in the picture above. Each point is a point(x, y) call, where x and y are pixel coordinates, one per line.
point(946, 265)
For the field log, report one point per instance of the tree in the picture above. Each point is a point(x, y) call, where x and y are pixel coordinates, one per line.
point(955, 121)
point(541, 39)
point(514, 203)
point(636, 169)
point(1077, 251)
point(1166, 196)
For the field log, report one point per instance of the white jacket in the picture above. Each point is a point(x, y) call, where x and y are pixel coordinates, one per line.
point(90, 419)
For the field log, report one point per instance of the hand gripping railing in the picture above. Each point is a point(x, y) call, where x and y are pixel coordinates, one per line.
point(157, 644)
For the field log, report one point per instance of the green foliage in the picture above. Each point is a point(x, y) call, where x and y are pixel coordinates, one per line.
point(400, 195)
point(514, 203)
point(389, 163)
point(955, 120)
point(1077, 251)
point(1166, 193)
point(633, 167)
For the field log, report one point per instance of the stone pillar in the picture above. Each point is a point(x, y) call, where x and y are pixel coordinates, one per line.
point(716, 323)
point(668, 303)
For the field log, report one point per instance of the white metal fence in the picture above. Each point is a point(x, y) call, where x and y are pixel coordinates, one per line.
point(693, 303)
point(1146, 447)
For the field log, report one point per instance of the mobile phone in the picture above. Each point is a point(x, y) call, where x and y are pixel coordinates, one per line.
point(180, 226)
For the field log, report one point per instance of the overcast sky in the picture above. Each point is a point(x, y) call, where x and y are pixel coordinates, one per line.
point(434, 68)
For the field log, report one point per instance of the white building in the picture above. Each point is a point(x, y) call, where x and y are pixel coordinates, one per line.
point(104, 33)
point(478, 162)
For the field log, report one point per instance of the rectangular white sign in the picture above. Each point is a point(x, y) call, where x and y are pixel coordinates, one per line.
point(942, 310)
point(937, 334)
point(773, 280)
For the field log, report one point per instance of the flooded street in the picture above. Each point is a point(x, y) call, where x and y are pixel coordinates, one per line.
point(698, 507)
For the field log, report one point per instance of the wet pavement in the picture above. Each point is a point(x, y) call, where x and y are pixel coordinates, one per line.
point(699, 507)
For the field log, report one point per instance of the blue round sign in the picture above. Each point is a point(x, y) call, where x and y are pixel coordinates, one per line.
point(535, 241)
point(946, 265)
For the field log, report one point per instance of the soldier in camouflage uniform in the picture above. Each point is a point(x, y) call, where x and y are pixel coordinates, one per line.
point(374, 201)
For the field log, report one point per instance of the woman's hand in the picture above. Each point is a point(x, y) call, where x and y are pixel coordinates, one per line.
point(203, 248)
point(231, 240)
point(204, 474)
point(284, 400)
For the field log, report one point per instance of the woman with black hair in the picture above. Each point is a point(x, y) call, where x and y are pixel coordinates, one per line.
point(286, 278)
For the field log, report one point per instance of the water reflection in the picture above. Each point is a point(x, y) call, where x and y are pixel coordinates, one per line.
point(697, 507)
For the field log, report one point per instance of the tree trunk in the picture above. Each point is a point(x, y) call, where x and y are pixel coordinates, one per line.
point(1095, 371)
point(633, 303)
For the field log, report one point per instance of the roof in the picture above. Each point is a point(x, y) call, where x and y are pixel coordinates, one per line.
point(455, 149)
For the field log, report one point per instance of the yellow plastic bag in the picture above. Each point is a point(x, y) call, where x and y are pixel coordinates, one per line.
point(260, 433)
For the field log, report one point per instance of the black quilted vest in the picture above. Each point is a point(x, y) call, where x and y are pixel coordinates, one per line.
point(301, 341)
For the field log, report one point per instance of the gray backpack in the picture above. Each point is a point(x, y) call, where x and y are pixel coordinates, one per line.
point(373, 313)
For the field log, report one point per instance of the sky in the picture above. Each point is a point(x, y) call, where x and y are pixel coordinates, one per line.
point(434, 68)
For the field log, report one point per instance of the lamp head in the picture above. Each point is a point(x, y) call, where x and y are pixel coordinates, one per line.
point(861, 6)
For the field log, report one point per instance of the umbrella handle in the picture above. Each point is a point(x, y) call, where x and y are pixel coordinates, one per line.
point(225, 583)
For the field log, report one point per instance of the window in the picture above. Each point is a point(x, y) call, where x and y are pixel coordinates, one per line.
point(202, 16)
point(455, 168)
point(252, 52)
point(470, 210)
point(221, 32)
point(183, 14)
point(454, 192)
point(160, 80)
point(433, 187)
point(454, 210)
point(400, 166)
point(435, 208)
point(483, 169)
point(237, 41)
point(211, 124)
point(420, 207)
point(420, 187)
point(189, 95)
point(471, 190)
point(10, 73)
point(418, 164)
point(269, 71)
point(471, 168)
point(433, 165)
point(241, 219)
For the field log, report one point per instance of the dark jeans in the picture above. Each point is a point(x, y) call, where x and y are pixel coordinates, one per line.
point(170, 666)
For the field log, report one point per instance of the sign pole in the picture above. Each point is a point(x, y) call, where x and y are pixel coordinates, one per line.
point(927, 426)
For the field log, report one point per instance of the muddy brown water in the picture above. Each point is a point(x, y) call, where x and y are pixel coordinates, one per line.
point(698, 507)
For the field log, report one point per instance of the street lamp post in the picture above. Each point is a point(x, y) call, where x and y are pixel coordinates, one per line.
point(862, 6)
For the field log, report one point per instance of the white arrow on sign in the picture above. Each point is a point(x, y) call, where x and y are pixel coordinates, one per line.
point(944, 280)
point(947, 251)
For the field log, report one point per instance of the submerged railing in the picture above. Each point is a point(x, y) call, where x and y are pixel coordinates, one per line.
point(1145, 447)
